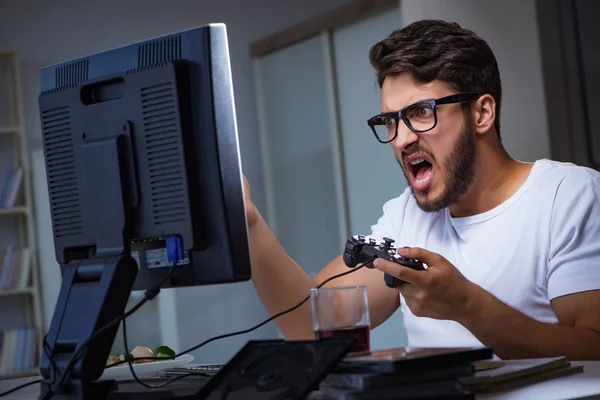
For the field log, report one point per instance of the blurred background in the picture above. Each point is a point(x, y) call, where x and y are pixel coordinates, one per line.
point(304, 90)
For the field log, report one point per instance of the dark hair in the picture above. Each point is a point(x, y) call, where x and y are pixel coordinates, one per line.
point(439, 50)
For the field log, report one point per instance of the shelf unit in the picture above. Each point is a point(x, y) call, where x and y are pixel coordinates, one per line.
point(20, 304)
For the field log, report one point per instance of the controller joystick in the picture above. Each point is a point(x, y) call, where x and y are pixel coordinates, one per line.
point(387, 243)
point(358, 250)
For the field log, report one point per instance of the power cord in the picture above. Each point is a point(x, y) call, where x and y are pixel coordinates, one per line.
point(137, 379)
point(129, 361)
point(19, 387)
point(149, 295)
point(256, 326)
point(276, 315)
point(50, 393)
point(174, 246)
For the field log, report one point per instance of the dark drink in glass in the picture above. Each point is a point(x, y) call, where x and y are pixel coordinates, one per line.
point(342, 312)
point(361, 335)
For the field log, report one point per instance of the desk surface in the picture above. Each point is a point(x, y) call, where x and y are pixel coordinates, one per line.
point(583, 385)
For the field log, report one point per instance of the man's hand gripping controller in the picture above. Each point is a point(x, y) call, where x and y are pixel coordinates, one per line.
point(359, 249)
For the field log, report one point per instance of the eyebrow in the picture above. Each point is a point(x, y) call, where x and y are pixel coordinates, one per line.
point(386, 110)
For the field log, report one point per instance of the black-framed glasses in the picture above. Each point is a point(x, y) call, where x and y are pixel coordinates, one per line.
point(418, 117)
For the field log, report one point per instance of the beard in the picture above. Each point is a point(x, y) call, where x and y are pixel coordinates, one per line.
point(460, 172)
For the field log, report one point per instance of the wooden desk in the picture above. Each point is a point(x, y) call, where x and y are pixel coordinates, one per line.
point(579, 386)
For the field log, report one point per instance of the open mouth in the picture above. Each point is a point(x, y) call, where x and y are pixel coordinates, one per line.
point(421, 173)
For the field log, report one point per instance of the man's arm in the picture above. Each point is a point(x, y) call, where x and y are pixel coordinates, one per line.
point(442, 292)
point(281, 283)
point(514, 335)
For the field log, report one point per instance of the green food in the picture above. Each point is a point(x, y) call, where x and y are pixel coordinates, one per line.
point(123, 358)
point(164, 352)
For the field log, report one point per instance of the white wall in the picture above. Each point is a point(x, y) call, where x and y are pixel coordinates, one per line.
point(510, 28)
point(48, 32)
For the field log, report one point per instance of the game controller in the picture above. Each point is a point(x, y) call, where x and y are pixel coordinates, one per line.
point(360, 249)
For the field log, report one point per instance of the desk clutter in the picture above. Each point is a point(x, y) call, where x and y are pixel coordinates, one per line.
point(323, 369)
point(435, 374)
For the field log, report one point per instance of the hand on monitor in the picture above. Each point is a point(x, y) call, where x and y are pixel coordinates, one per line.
point(251, 211)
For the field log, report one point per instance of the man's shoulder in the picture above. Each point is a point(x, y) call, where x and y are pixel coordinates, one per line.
point(567, 184)
point(559, 172)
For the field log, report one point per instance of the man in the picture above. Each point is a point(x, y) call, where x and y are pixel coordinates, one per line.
point(512, 248)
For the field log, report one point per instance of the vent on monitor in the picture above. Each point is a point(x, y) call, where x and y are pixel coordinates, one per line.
point(72, 74)
point(62, 175)
point(162, 141)
point(159, 52)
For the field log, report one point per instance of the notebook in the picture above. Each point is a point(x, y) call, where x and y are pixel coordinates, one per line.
point(495, 376)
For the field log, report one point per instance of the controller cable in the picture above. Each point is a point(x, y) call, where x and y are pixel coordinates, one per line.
point(149, 295)
point(129, 360)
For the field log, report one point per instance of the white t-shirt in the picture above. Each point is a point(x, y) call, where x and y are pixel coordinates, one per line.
point(541, 243)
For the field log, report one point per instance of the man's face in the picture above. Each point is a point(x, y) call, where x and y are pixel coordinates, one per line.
point(448, 149)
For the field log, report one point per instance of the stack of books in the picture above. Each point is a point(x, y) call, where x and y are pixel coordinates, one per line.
point(18, 350)
point(500, 376)
point(435, 374)
point(404, 373)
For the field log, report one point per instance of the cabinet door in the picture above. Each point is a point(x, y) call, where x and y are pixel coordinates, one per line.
point(296, 114)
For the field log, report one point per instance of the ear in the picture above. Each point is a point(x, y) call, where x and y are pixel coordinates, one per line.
point(484, 114)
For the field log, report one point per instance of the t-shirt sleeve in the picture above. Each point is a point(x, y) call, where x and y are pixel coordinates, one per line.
point(574, 258)
point(390, 223)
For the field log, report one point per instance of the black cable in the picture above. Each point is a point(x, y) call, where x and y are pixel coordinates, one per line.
point(137, 379)
point(50, 393)
point(276, 315)
point(149, 295)
point(260, 324)
point(48, 350)
point(19, 387)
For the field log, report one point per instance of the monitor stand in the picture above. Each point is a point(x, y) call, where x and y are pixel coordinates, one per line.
point(97, 280)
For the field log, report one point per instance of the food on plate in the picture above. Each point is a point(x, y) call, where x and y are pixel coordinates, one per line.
point(164, 352)
point(112, 360)
point(142, 352)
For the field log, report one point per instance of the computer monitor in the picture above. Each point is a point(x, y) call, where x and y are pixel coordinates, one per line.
point(141, 147)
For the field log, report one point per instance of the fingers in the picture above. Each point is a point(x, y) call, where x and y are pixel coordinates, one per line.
point(420, 254)
point(399, 271)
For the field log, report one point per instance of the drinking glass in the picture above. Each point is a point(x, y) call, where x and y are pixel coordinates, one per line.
point(342, 312)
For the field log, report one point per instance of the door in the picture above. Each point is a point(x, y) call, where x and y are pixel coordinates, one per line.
point(305, 206)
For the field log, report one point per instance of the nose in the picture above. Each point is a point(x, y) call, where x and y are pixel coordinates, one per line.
point(405, 137)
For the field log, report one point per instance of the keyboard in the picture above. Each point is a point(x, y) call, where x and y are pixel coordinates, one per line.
point(193, 369)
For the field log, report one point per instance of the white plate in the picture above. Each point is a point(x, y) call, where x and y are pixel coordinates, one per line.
point(144, 370)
